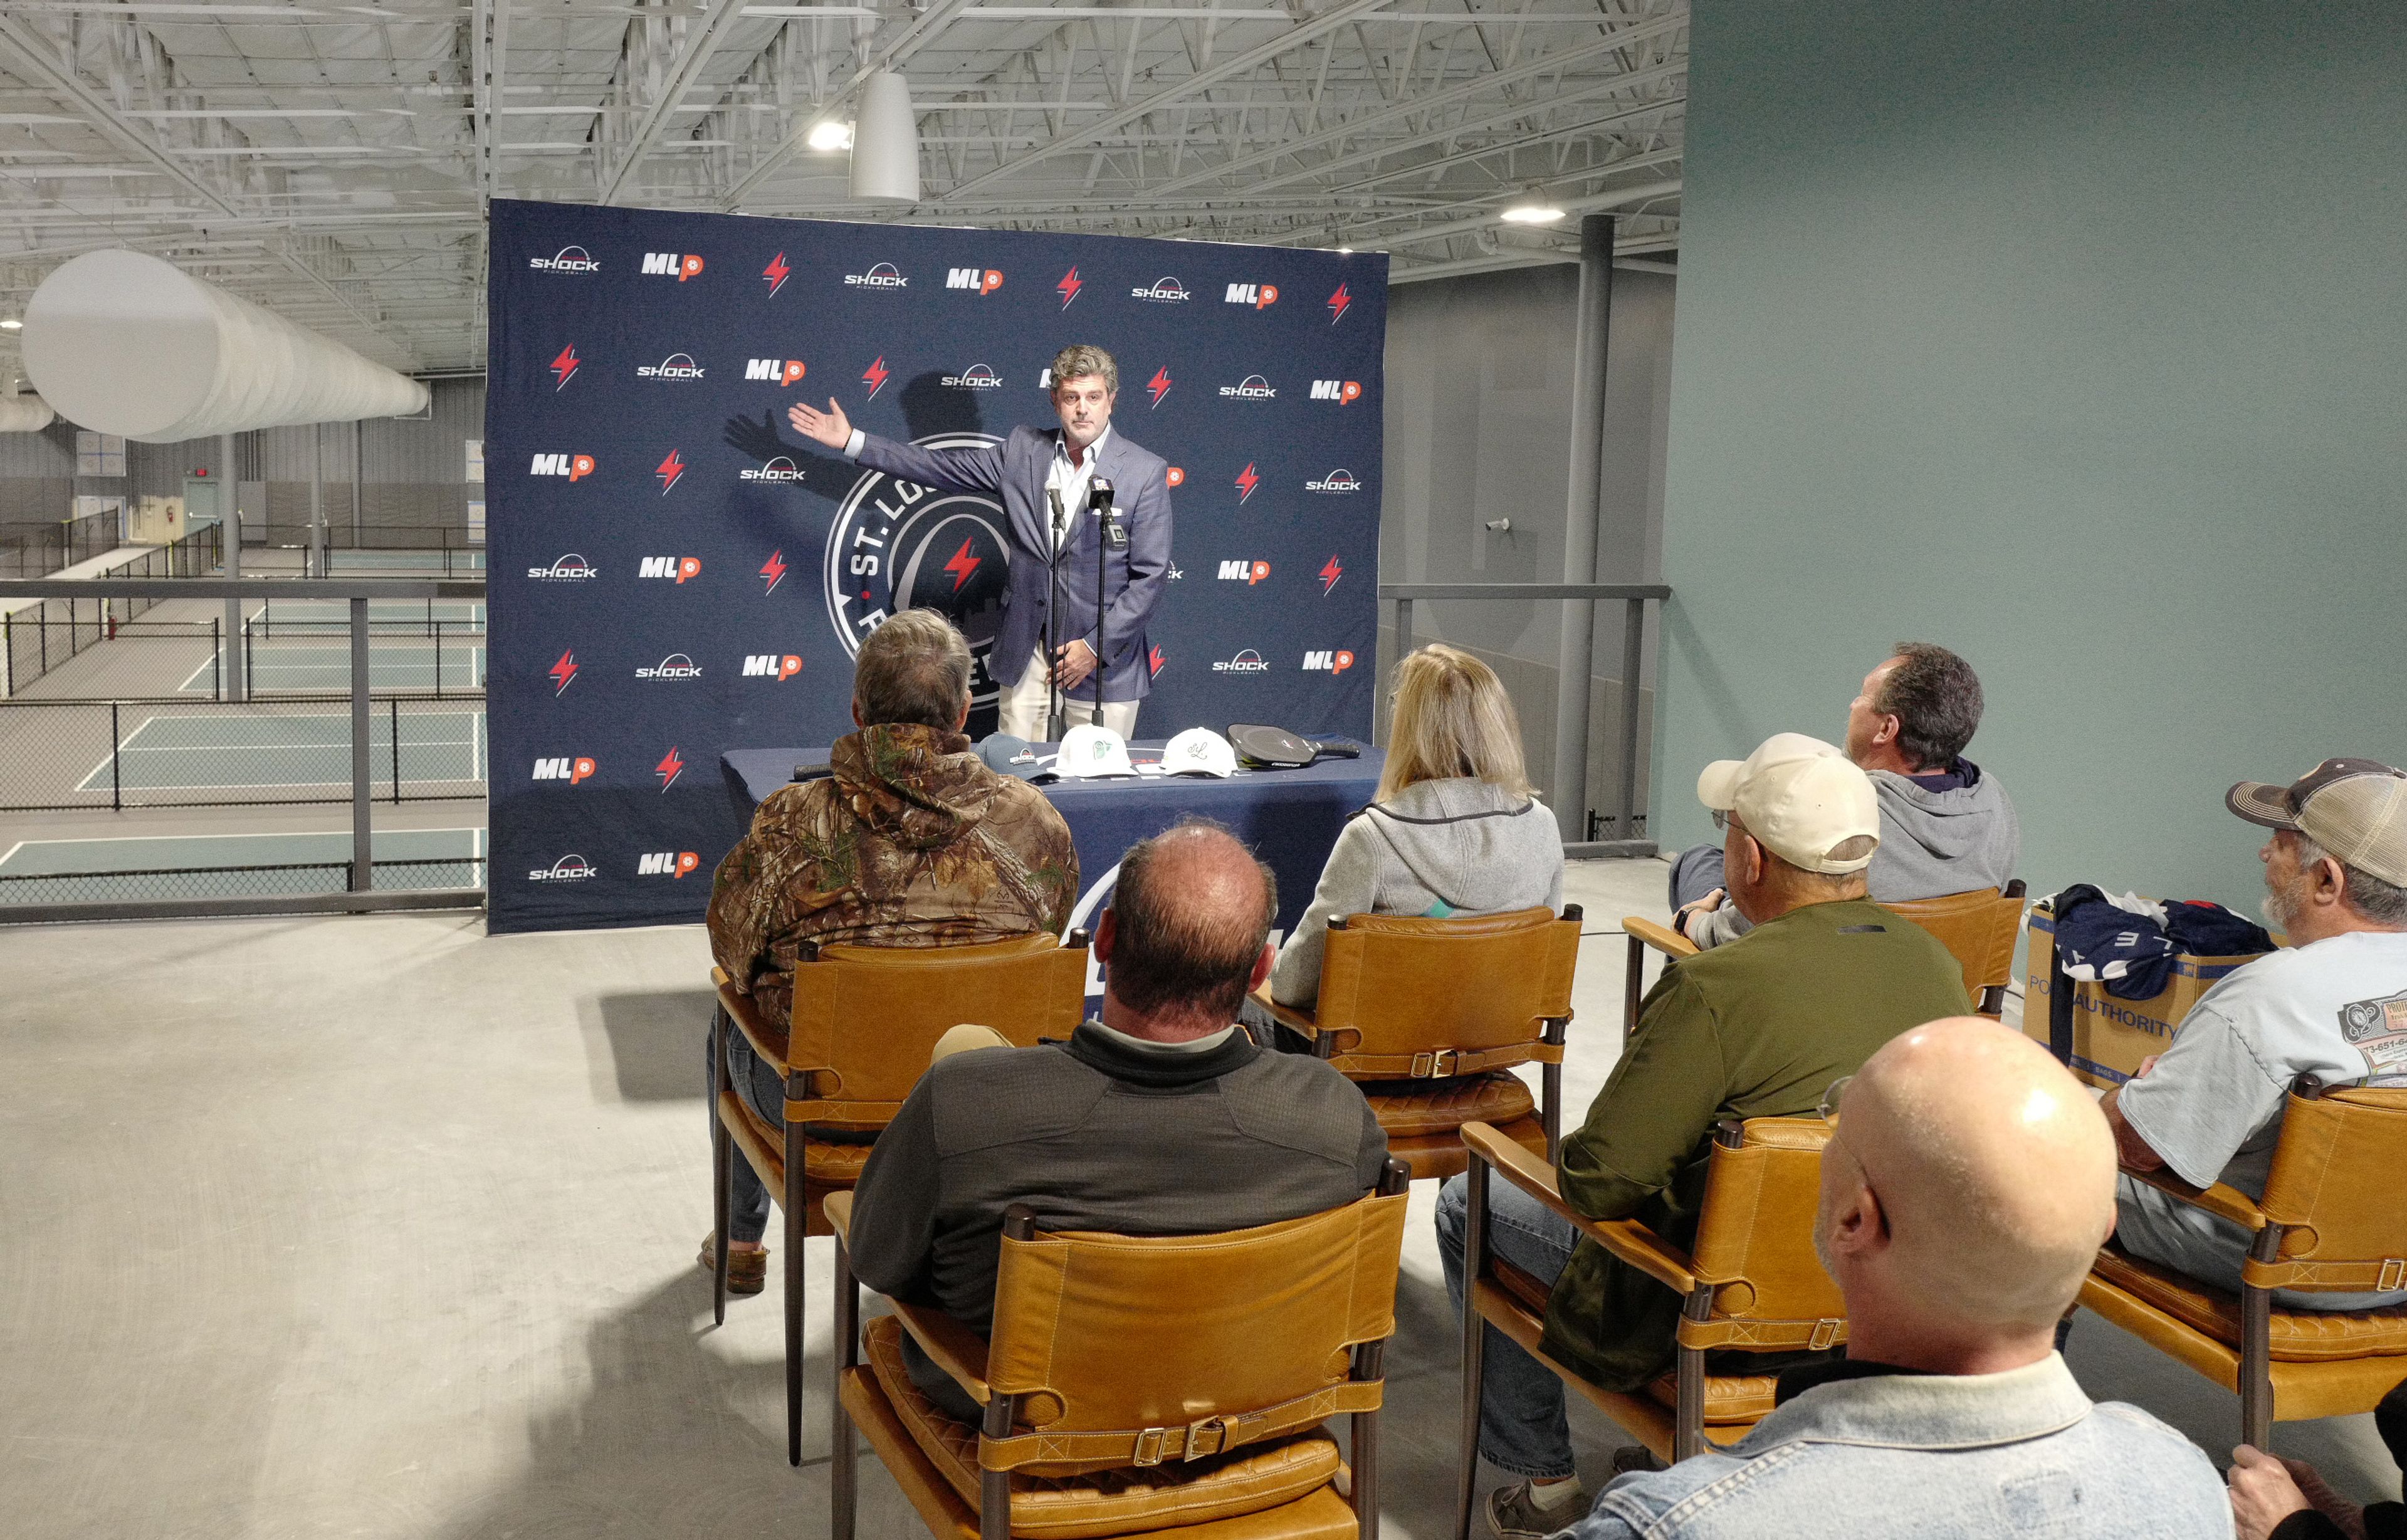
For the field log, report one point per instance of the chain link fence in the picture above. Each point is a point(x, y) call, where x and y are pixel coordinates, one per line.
point(37, 639)
point(36, 551)
point(313, 876)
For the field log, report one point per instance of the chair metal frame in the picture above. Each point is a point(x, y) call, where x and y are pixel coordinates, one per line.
point(961, 1354)
point(791, 1194)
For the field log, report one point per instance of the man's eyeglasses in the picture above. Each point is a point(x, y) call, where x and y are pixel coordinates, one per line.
point(1829, 1110)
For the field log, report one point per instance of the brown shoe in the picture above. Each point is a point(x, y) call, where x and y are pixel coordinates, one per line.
point(748, 1272)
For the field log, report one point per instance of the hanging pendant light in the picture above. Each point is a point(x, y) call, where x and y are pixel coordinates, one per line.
point(886, 142)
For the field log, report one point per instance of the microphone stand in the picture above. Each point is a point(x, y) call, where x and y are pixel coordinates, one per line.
point(1108, 538)
point(1056, 728)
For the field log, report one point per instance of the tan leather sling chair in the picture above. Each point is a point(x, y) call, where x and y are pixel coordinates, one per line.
point(2330, 1220)
point(1429, 1015)
point(864, 1022)
point(1138, 1386)
point(1978, 928)
point(1751, 1284)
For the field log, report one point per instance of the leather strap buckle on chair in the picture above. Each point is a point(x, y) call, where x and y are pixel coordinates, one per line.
point(1825, 1331)
point(1149, 1446)
point(1433, 1066)
point(1206, 1436)
point(2394, 1275)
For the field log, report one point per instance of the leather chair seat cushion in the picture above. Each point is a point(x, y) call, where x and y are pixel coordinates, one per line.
point(1441, 1107)
point(1729, 1398)
point(2297, 1336)
point(1075, 1505)
point(825, 1162)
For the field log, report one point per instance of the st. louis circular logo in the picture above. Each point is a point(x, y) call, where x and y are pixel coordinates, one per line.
point(898, 545)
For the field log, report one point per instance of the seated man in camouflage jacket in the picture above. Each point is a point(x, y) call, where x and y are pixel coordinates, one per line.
point(908, 841)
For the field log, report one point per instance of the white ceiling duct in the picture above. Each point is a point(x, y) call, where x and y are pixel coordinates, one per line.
point(123, 343)
point(886, 142)
point(24, 414)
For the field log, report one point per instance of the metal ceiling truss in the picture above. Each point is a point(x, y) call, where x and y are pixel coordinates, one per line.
point(332, 160)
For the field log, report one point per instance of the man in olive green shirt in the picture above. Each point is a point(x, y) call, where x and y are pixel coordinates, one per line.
point(1759, 1027)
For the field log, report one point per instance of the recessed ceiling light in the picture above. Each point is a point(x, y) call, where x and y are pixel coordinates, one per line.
point(11, 325)
point(1345, 250)
point(1533, 212)
point(831, 136)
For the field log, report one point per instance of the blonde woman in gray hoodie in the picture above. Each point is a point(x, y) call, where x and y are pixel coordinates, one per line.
point(1454, 829)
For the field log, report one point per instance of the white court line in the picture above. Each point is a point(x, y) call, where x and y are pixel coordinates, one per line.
point(272, 748)
point(477, 756)
point(476, 843)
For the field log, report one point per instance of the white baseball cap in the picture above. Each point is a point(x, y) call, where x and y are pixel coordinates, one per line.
point(1199, 751)
point(1092, 749)
point(1800, 798)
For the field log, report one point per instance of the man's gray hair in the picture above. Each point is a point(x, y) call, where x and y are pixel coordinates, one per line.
point(915, 667)
point(2383, 903)
point(1085, 358)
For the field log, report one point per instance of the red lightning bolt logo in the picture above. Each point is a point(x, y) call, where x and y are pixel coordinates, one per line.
point(1068, 287)
point(1247, 481)
point(962, 565)
point(670, 768)
point(564, 365)
point(1159, 385)
point(1329, 574)
point(874, 376)
point(775, 273)
point(563, 670)
point(1337, 304)
point(1153, 661)
point(773, 569)
point(668, 471)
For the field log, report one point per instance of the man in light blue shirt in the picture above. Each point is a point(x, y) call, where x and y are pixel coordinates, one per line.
point(2333, 1004)
point(1965, 1188)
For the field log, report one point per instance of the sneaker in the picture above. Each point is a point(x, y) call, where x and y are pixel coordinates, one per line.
point(1515, 1513)
point(1635, 1457)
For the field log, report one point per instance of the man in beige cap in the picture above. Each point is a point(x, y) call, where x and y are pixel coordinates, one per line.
point(2333, 1004)
point(1746, 1031)
point(1965, 1190)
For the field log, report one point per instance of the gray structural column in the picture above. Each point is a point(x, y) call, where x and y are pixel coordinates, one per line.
point(230, 540)
point(1583, 512)
point(363, 853)
point(318, 498)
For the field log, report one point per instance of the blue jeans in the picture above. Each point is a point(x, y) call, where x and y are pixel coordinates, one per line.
point(1696, 871)
point(1521, 1424)
point(764, 1089)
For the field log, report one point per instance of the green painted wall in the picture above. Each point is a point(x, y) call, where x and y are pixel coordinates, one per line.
point(2072, 337)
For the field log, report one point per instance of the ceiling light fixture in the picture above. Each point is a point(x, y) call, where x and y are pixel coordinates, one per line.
point(886, 142)
point(1535, 210)
point(830, 135)
point(12, 324)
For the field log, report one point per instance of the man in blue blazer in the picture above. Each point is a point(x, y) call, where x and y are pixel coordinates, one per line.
point(1043, 477)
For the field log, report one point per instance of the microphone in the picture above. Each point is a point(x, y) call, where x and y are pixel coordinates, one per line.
point(1099, 503)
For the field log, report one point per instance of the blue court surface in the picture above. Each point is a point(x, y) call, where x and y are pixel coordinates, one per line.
point(215, 752)
point(384, 615)
point(61, 871)
point(314, 665)
point(459, 559)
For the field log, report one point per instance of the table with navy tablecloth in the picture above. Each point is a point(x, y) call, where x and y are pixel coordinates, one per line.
point(1289, 817)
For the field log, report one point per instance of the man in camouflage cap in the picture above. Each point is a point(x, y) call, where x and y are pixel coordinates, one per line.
point(907, 840)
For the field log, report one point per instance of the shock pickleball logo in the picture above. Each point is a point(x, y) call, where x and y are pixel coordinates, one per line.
point(897, 546)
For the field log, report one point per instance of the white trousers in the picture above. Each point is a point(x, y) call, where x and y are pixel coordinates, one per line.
point(1023, 706)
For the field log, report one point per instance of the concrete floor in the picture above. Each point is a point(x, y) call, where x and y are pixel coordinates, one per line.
point(382, 1227)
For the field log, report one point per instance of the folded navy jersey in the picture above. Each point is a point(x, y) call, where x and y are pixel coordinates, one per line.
point(2127, 944)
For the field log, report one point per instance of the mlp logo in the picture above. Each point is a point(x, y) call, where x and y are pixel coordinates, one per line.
point(776, 274)
point(894, 545)
point(1344, 391)
point(668, 471)
point(566, 869)
point(1340, 480)
point(881, 275)
point(1329, 663)
point(674, 366)
point(1261, 296)
point(679, 567)
point(573, 769)
point(666, 862)
point(782, 371)
point(1068, 289)
point(1248, 662)
point(577, 467)
point(570, 259)
point(978, 280)
point(1329, 574)
point(1247, 481)
point(1174, 475)
point(1159, 385)
point(1164, 290)
point(670, 768)
point(669, 263)
point(778, 468)
point(566, 568)
point(1248, 573)
point(1251, 387)
point(676, 665)
point(1337, 304)
point(978, 376)
point(779, 666)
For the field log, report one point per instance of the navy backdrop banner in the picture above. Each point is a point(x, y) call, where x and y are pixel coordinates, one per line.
point(676, 571)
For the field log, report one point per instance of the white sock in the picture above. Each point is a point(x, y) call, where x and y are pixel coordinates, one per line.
point(1553, 1497)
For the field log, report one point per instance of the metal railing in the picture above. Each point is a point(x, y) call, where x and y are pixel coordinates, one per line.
point(359, 894)
point(38, 549)
point(1634, 599)
point(34, 641)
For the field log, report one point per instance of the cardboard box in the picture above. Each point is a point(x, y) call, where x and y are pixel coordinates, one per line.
point(2111, 1035)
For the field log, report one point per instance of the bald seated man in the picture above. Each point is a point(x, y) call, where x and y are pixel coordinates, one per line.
point(1968, 1183)
point(1159, 1118)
